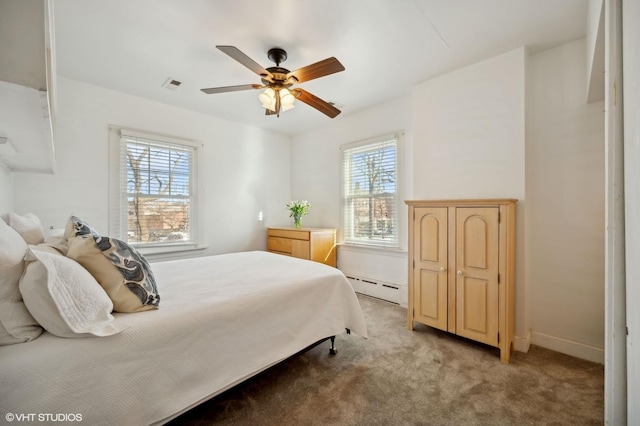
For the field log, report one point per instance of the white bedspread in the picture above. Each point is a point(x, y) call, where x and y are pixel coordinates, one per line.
point(221, 320)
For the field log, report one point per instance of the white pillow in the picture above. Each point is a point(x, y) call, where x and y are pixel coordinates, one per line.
point(16, 323)
point(28, 226)
point(64, 298)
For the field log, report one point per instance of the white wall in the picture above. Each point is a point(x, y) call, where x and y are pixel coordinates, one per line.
point(245, 169)
point(6, 189)
point(631, 55)
point(469, 131)
point(469, 142)
point(315, 171)
point(565, 204)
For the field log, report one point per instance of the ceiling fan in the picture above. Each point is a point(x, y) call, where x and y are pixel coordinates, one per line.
point(277, 81)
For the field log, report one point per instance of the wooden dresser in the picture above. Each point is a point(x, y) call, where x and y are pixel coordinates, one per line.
point(317, 244)
point(461, 268)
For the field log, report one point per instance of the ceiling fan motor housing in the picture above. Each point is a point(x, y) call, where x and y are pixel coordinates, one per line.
point(278, 77)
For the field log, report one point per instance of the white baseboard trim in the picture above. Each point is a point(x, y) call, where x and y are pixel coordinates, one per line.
point(522, 344)
point(569, 347)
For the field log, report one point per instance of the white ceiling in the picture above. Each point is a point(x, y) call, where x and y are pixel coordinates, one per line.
point(386, 46)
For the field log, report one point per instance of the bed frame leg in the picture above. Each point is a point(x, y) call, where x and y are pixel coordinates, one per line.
point(332, 349)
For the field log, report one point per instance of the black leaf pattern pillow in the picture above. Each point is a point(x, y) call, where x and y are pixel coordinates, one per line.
point(119, 268)
point(76, 226)
point(133, 267)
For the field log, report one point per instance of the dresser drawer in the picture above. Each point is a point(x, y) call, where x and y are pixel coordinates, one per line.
point(295, 234)
point(315, 244)
point(282, 245)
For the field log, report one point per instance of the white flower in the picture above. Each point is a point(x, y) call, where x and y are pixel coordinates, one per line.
point(298, 207)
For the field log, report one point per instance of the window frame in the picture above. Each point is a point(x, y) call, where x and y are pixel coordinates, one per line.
point(347, 228)
point(118, 211)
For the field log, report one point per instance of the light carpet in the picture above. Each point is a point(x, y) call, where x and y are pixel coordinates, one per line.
point(420, 377)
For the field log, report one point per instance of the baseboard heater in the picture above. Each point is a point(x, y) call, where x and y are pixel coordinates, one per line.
point(375, 288)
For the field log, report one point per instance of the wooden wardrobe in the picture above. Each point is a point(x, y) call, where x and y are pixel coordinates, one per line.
point(462, 268)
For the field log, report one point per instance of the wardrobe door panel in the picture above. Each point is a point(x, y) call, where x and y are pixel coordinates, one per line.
point(430, 276)
point(477, 244)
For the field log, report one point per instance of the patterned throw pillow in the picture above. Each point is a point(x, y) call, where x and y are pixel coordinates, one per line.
point(76, 226)
point(119, 268)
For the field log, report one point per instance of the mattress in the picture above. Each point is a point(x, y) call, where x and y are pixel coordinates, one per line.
point(222, 319)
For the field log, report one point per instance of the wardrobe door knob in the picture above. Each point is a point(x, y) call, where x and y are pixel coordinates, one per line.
point(460, 273)
point(442, 269)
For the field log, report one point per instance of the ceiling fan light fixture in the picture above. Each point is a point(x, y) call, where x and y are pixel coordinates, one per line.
point(286, 98)
point(268, 99)
point(267, 96)
point(270, 106)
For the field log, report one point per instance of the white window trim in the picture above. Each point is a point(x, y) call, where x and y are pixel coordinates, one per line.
point(400, 242)
point(117, 215)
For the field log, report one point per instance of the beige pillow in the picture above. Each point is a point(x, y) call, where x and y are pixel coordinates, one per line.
point(64, 297)
point(16, 323)
point(57, 242)
point(28, 226)
point(123, 272)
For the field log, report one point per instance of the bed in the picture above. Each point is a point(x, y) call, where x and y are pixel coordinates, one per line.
point(222, 320)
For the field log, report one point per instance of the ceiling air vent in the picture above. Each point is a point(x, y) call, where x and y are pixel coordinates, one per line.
point(171, 84)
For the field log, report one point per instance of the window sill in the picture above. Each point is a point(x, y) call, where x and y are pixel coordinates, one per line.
point(169, 252)
point(395, 251)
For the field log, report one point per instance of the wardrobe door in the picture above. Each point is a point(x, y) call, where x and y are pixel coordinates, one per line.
point(430, 268)
point(477, 248)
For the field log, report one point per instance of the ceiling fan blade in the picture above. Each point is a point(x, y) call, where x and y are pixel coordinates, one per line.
point(236, 54)
point(319, 69)
point(317, 103)
point(213, 90)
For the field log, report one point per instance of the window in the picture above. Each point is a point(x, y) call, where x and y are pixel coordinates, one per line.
point(153, 189)
point(370, 196)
